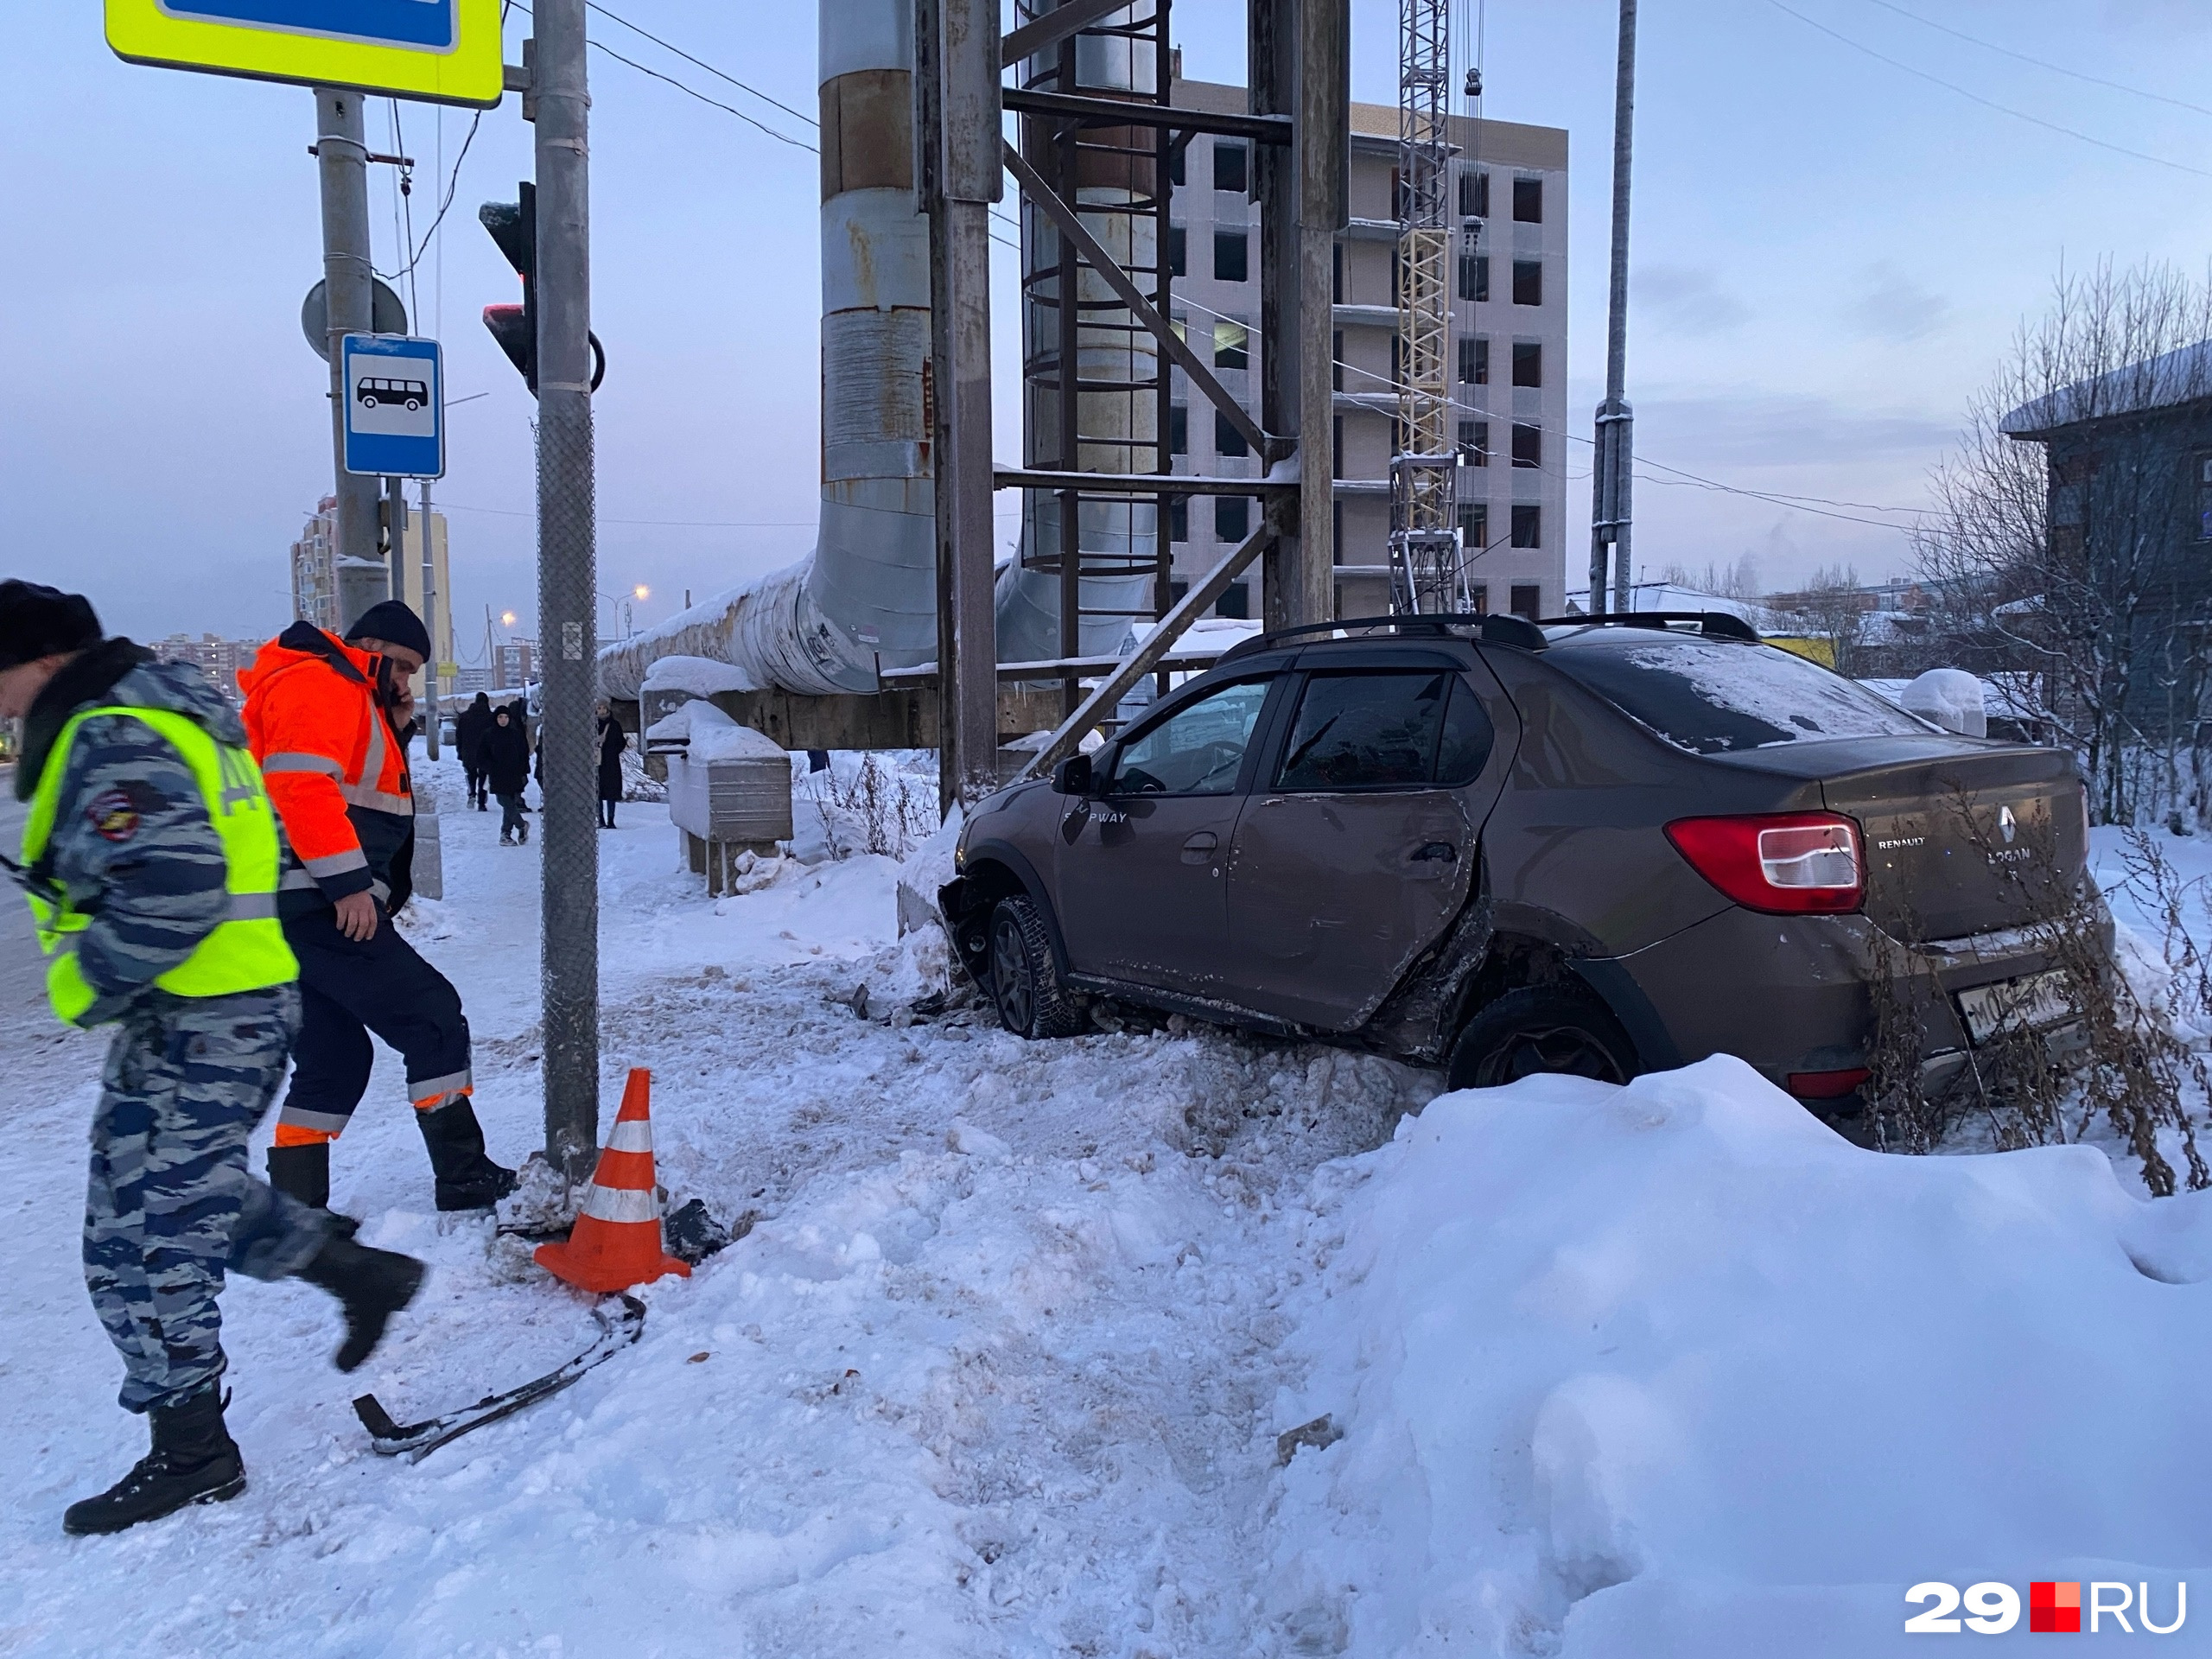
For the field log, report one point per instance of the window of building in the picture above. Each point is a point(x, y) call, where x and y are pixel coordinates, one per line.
point(1232, 343)
point(1337, 275)
point(1178, 429)
point(1474, 360)
point(1474, 275)
point(1175, 168)
point(1529, 201)
point(1474, 194)
point(1474, 526)
point(1336, 361)
point(1235, 603)
point(1528, 444)
point(1337, 448)
point(1232, 519)
point(1474, 442)
point(1336, 529)
point(1528, 598)
point(1227, 439)
point(1178, 519)
point(1527, 363)
point(1478, 596)
point(1528, 525)
point(1230, 172)
point(1177, 262)
point(1230, 263)
point(1528, 282)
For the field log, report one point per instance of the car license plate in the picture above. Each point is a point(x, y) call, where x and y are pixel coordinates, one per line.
point(2030, 1004)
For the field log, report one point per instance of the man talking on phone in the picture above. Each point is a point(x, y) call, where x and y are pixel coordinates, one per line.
point(329, 720)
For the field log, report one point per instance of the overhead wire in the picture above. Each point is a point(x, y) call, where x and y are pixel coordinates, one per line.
point(720, 74)
point(1987, 103)
point(2041, 63)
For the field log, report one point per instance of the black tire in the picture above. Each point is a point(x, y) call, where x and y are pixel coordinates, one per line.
point(1025, 979)
point(1559, 1029)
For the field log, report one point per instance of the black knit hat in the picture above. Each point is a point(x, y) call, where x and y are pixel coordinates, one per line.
point(39, 621)
point(391, 620)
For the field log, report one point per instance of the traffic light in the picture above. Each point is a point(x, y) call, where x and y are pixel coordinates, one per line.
point(513, 225)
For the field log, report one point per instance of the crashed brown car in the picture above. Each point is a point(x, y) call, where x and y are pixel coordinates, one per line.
point(1506, 848)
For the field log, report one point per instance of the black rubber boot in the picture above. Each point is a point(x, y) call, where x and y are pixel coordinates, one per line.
point(302, 1172)
point(193, 1461)
point(372, 1284)
point(466, 1177)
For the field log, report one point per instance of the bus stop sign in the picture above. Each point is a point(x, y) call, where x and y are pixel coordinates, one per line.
point(395, 406)
point(440, 51)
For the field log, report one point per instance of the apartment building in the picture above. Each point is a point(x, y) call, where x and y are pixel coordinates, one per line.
point(1508, 332)
point(327, 586)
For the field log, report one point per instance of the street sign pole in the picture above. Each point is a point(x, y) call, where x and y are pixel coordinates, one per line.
point(341, 156)
point(567, 583)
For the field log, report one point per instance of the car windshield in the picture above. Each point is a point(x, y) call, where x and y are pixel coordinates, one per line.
point(1713, 697)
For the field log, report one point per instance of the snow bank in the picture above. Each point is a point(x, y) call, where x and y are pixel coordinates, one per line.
point(1672, 1369)
point(1951, 697)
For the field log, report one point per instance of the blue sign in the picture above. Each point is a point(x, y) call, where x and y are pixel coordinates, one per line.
point(395, 406)
point(424, 24)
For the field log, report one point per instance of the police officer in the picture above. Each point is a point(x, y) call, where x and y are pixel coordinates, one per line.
point(150, 857)
point(328, 720)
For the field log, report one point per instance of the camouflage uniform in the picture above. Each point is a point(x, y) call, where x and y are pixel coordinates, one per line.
point(170, 1204)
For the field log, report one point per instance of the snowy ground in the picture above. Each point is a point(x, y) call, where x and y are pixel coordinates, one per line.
point(1000, 1366)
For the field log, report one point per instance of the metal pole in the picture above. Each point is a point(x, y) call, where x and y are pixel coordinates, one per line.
point(1323, 113)
point(1271, 45)
point(957, 78)
point(566, 588)
point(430, 622)
point(341, 155)
point(1615, 443)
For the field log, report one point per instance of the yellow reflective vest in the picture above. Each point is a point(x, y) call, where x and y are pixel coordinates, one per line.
point(246, 950)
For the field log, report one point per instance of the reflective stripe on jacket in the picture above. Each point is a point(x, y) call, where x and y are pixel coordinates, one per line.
point(246, 951)
point(335, 769)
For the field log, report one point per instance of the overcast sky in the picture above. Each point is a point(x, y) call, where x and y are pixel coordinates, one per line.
point(1830, 251)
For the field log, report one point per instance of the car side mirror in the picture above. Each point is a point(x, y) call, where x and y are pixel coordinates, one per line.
point(1072, 776)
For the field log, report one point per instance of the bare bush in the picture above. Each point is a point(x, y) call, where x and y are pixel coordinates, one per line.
point(2073, 1042)
point(872, 810)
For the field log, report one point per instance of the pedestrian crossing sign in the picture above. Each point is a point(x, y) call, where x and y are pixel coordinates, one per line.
point(438, 51)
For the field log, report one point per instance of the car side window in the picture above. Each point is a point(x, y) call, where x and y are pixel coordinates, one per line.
point(1467, 738)
point(1366, 731)
point(1199, 750)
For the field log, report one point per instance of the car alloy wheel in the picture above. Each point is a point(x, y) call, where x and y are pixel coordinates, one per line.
point(1012, 983)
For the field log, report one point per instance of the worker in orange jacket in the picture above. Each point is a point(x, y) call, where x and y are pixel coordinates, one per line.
point(329, 720)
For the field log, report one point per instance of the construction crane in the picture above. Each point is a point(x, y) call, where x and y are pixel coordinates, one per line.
point(1428, 564)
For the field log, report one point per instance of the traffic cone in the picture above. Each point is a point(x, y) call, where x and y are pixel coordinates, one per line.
point(616, 1242)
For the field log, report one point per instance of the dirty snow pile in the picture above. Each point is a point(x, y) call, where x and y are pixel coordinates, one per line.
point(1671, 1369)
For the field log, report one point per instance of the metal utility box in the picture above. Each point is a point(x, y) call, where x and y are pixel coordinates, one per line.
point(728, 806)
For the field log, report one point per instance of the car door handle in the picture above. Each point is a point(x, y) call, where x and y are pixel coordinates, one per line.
point(1441, 851)
point(1200, 846)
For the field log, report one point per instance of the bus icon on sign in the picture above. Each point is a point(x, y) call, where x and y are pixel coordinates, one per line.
point(409, 395)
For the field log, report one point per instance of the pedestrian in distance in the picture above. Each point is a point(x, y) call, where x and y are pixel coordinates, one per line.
point(612, 740)
point(468, 729)
point(327, 720)
point(506, 767)
point(152, 858)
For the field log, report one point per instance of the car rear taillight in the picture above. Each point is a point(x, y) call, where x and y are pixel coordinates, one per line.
point(1789, 864)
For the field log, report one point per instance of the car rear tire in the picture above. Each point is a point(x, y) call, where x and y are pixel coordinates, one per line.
point(1559, 1030)
point(1024, 978)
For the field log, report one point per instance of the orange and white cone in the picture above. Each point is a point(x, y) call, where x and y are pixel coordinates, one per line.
point(616, 1242)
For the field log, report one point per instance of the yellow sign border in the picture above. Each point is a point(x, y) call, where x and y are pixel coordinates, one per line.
point(470, 74)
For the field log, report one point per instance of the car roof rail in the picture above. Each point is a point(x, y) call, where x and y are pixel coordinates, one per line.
point(1722, 624)
point(1490, 628)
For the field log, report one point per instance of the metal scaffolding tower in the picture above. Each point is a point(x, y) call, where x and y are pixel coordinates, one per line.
point(1427, 572)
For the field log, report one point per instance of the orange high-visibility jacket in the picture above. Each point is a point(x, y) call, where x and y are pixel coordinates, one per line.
point(335, 769)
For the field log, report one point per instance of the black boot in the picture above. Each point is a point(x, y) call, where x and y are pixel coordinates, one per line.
point(302, 1172)
point(373, 1285)
point(466, 1178)
point(193, 1461)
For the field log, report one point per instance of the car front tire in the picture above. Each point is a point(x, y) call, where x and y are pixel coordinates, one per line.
point(1539, 1030)
point(1024, 979)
